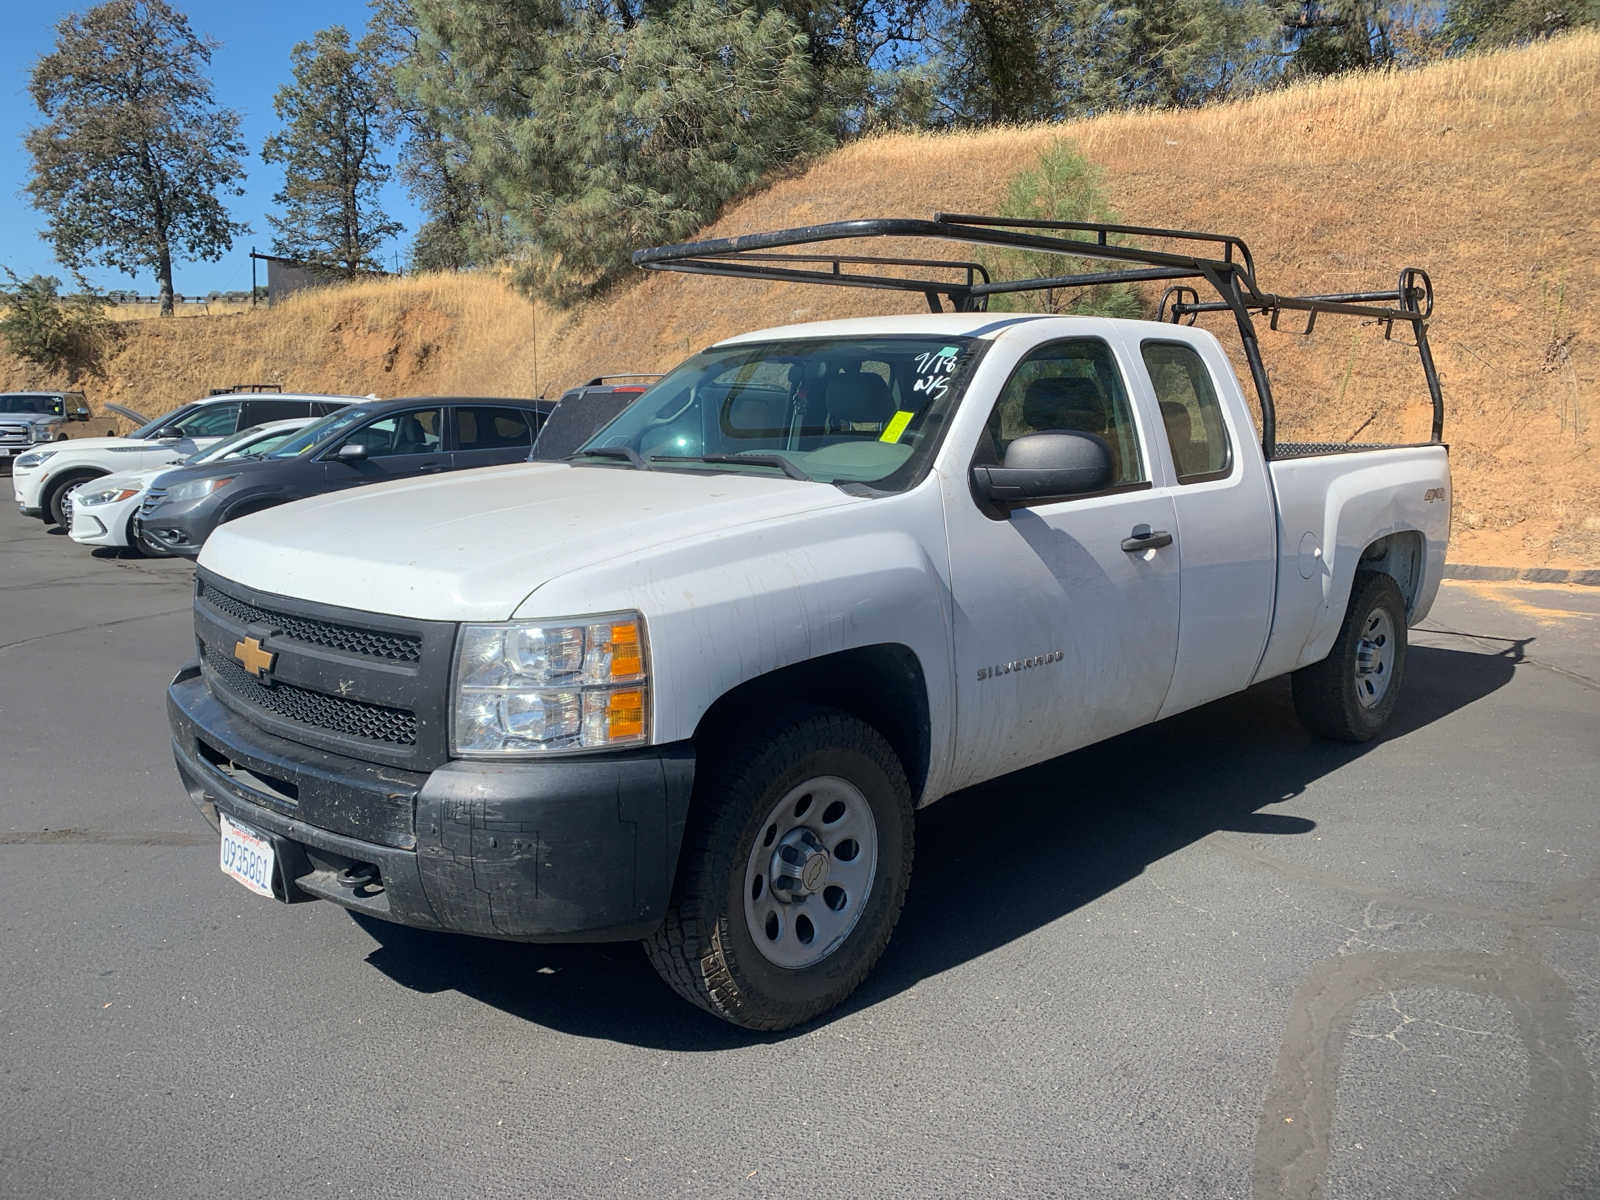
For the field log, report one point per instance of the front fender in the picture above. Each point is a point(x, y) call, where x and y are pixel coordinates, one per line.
point(731, 607)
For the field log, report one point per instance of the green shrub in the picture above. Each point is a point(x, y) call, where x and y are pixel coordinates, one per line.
point(58, 332)
point(1063, 186)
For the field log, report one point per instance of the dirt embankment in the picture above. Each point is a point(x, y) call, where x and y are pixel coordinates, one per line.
point(1480, 170)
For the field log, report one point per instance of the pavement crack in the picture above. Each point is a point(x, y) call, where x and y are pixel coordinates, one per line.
point(45, 637)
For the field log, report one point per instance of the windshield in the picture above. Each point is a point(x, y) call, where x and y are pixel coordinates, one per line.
point(866, 410)
point(31, 404)
point(314, 433)
point(247, 441)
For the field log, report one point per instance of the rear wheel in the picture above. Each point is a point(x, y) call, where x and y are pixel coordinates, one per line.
point(1350, 695)
point(794, 870)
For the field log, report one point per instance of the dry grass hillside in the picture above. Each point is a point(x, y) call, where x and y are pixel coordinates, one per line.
point(1483, 171)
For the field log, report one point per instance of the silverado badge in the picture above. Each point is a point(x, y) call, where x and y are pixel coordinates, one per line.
point(253, 658)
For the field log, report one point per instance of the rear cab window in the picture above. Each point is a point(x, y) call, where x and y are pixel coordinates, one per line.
point(1190, 411)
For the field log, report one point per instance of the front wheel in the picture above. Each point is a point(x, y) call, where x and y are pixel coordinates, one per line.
point(794, 870)
point(1350, 695)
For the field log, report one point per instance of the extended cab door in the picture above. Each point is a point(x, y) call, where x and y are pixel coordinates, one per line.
point(1227, 529)
point(1062, 636)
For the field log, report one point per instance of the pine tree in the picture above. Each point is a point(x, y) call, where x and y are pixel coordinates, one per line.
point(1470, 23)
point(434, 162)
point(135, 156)
point(597, 132)
point(335, 124)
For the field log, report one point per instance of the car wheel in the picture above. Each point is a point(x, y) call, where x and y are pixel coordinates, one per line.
point(55, 499)
point(1350, 695)
point(794, 870)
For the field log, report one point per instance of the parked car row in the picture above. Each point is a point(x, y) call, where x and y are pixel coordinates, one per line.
point(166, 486)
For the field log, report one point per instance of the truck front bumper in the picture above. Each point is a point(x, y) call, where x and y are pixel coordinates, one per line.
point(570, 849)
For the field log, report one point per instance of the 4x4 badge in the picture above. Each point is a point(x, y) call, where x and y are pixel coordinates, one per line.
point(253, 658)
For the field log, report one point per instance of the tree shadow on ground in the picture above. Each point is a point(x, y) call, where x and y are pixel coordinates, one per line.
point(1034, 846)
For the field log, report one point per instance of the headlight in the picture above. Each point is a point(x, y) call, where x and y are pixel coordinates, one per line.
point(197, 489)
point(527, 689)
point(36, 459)
point(87, 499)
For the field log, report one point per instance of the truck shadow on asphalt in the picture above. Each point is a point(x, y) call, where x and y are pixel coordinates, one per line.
point(993, 863)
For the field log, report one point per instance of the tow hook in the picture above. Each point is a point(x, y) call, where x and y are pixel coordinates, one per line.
point(358, 877)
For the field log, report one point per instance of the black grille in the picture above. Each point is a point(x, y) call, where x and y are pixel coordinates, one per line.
point(352, 718)
point(392, 647)
point(152, 497)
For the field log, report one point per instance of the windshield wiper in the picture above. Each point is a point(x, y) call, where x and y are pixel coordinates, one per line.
point(626, 453)
point(759, 460)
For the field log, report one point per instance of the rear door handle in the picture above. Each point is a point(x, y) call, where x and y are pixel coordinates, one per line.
point(1144, 538)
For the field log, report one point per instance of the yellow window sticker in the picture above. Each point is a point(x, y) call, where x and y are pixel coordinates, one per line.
point(896, 427)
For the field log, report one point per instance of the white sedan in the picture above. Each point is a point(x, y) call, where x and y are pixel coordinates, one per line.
point(101, 511)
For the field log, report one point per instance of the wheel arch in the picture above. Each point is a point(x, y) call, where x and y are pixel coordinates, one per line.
point(882, 684)
point(1401, 556)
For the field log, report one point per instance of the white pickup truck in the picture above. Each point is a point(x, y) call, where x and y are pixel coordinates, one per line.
point(690, 685)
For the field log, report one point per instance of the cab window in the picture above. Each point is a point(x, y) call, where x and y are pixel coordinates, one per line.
point(1189, 411)
point(1069, 386)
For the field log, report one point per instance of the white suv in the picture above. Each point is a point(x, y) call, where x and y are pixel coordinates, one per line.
point(41, 479)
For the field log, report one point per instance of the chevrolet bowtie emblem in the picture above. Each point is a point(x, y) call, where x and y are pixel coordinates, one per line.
point(254, 659)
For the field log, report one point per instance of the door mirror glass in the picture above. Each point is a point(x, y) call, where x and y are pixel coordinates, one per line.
point(1045, 466)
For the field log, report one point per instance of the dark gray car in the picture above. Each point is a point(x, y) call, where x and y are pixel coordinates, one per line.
point(365, 443)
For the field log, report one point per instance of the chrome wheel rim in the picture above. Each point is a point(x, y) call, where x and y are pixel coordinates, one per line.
point(1374, 658)
point(810, 872)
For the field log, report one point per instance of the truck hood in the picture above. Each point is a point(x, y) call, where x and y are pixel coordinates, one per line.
point(472, 546)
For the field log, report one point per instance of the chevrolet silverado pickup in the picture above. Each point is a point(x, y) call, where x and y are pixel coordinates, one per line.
point(690, 685)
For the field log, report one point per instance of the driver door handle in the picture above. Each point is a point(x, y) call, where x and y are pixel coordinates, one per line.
point(429, 468)
point(1143, 538)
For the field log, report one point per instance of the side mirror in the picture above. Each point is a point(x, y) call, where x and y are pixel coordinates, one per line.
point(78, 414)
point(170, 434)
point(351, 452)
point(1042, 467)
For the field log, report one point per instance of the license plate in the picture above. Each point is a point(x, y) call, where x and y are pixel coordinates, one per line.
point(247, 856)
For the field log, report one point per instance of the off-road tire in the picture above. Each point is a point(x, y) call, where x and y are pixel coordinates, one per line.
point(53, 502)
point(1325, 692)
point(704, 950)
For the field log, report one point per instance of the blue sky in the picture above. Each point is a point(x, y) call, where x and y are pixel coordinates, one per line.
point(251, 65)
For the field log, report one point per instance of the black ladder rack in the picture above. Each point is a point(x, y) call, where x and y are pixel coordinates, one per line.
point(1229, 271)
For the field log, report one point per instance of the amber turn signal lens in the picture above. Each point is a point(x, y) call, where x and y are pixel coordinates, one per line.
point(625, 714)
point(627, 658)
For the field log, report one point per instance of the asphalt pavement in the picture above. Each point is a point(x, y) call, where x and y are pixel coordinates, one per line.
point(1214, 958)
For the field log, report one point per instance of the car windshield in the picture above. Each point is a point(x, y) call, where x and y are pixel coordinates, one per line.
point(314, 433)
point(254, 440)
point(865, 410)
point(31, 404)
